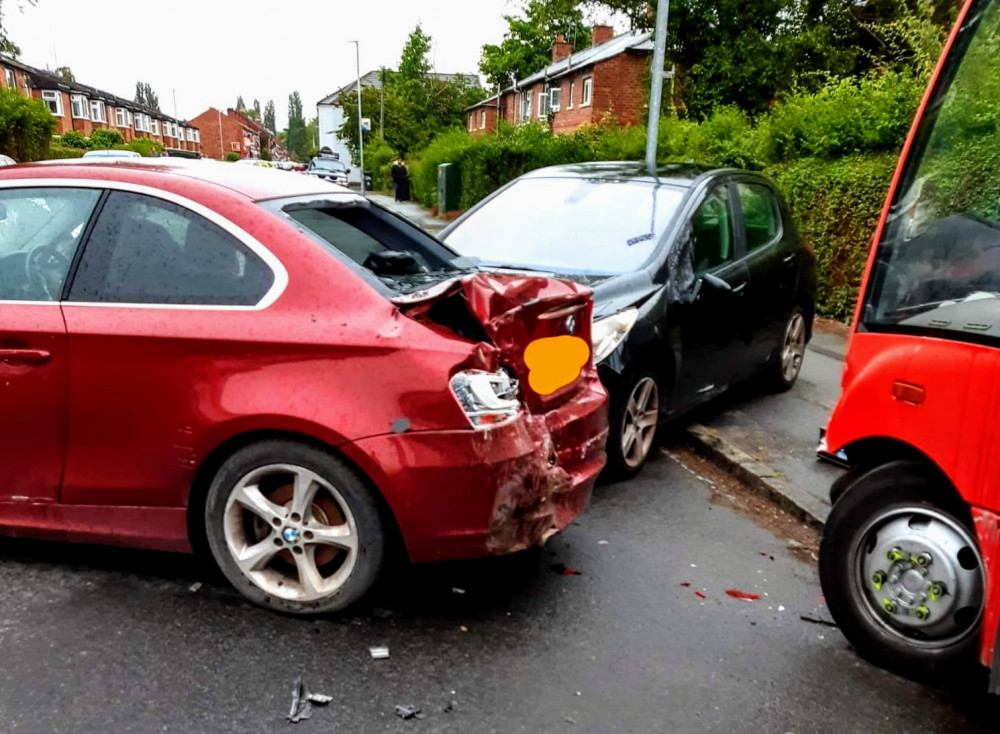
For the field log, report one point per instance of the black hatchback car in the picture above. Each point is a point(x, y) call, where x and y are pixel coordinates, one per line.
point(700, 280)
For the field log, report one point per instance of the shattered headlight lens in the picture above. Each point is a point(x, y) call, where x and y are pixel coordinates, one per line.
point(488, 398)
point(608, 333)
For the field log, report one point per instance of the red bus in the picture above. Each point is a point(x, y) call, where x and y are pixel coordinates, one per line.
point(910, 557)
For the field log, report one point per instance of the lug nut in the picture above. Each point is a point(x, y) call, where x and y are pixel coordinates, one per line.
point(889, 605)
point(922, 613)
point(936, 591)
point(878, 578)
point(923, 560)
point(895, 555)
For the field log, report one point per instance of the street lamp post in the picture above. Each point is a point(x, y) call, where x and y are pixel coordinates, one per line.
point(361, 132)
point(656, 93)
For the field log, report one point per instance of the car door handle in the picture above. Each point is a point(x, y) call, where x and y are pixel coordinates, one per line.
point(24, 356)
point(789, 257)
point(738, 289)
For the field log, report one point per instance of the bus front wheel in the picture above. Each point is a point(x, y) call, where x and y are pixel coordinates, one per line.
point(903, 576)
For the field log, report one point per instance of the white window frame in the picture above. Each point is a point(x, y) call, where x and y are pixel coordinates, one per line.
point(543, 105)
point(189, 135)
point(123, 118)
point(197, 136)
point(84, 103)
point(482, 119)
point(102, 115)
point(572, 94)
point(555, 98)
point(525, 104)
point(56, 97)
point(154, 127)
point(472, 116)
point(10, 79)
point(588, 92)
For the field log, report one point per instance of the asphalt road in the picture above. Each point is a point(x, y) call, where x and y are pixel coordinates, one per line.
point(102, 640)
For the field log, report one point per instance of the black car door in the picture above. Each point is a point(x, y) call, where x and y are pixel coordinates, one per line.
point(707, 331)
point(771, 259)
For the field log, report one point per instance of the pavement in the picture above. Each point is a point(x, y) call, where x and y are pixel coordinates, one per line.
point(108, 640)
point(766, 440)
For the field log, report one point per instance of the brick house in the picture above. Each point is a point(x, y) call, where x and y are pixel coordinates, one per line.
point(232, 131)
point(608, 79)
point(85, 109)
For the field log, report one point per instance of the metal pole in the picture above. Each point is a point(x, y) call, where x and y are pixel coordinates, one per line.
point(656, 93)
point(361, 132)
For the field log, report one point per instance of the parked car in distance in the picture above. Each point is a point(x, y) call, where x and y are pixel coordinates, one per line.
point(196, 382)
point(6, 160)
point(700, 280)
point(111, 154)
point(330, 169)
point(256, 162)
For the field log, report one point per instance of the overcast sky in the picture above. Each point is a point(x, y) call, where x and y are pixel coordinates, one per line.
point(210, 51)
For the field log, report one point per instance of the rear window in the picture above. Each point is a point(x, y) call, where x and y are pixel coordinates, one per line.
point(400, 255)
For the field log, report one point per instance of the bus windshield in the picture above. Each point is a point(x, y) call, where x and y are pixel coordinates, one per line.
point(937, 266)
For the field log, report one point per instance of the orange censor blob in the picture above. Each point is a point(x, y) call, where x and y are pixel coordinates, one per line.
point(555, 362)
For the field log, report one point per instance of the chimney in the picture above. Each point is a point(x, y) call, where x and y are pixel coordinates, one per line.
point(561, 50)
point(601, 34)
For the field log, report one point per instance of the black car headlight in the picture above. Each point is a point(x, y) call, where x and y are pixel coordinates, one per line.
point(609, 332)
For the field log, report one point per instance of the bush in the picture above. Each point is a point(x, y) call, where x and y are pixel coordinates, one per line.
point(144, 147)
point(26, 127)
point(103, 139)
point(232, 157)
point(75, 139)
point(379, 158)
point(57, 151)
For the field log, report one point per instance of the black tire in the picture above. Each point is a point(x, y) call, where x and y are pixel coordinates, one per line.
point(619, 467)
point(370, 527)
point(896, 485)
point(776, 378)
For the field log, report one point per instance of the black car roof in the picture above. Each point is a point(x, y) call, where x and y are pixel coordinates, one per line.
point(675, 174)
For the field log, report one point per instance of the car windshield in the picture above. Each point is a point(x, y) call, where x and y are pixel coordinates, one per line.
point(328, 164)
point(563, 225)
point(938, 264)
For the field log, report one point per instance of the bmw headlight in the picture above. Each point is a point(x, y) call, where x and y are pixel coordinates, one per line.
point(608, 333)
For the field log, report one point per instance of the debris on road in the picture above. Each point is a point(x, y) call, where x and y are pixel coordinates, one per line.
point(410, 712)
point(817, 620)
point(449, 708)
point(456, 590)
point(742, 595)
point(303, 700)
point(379, 653)
point(700, 594)
point(686, 584)
point(195, 587)
point(602, 542)
point(464, 628)
point(564, 570)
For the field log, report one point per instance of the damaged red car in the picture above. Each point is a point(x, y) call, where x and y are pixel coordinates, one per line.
point(278, 371)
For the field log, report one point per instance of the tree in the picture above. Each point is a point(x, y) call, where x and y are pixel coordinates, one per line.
point(66, 73)
point(297, 137)
point(269, 116)
point(414, 66)
point(145, 95)
point(7, 46)
point(240, 105)
point(527, 45)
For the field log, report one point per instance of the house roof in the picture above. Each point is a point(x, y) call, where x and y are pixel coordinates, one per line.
point(39, 79)
point(374, 79)
point(632, 41)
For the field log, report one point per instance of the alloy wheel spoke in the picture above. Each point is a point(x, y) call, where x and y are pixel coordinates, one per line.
point(628, 441)
point(258, 555)
point(304, 492)
point(310, 578)
point(642, 402)
point(339, 536)
point(647, 420)
point(251, 498)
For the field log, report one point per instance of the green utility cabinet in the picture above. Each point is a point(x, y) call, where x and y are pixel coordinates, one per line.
point(449, 187)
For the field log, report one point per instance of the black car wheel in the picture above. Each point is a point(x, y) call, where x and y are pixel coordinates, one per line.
point(903, 575)
point(785, 369)
point(632, 436)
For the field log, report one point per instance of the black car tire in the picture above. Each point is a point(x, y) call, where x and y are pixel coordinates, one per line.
point(786, 366)
point(896, 489)
point(359, 507)
point(620, 465)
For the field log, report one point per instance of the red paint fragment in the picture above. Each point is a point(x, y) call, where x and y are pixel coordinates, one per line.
point(699, 594)
point(686, 584)
point(744, 595)
point(572, 572)
point(763, 554)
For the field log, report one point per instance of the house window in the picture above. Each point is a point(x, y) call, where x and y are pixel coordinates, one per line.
point(572, 95)
point(525, 106)
point(588, 88)
point(142, 122)
point(154, 127)
point(482, 120)
point(543, 105)
point(197, 136)
point(9, 76)
point(190, 135)
point(122, 117)
point(97, 111)
point(53, 100)
point(78, 106)
point(234, 147)
point(555, 98)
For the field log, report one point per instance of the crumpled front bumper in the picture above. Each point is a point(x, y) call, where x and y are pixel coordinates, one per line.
point(469, 493)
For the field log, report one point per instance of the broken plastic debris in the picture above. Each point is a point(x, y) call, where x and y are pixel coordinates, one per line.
point(456, 590)
point(602, 542)
point(686, 584)
point(464, 628)
point(379, 653)
point(450, 706)
point(410, 712)
point(781, 607)
point(564, 570)
point(817, 620)
point(700, 594)
point(742, 595)
point(194, 587)
point(303, 700)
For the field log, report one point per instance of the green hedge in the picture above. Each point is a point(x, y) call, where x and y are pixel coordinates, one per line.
point(62, 151)
point(26, 127)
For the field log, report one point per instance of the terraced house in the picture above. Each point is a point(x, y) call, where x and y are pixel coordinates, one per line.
point(85, 109)
point(609, 79)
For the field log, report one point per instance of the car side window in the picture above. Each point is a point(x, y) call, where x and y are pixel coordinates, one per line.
point(761, 218)
point(712, 231)
point(40, 231)
point(149, 251)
